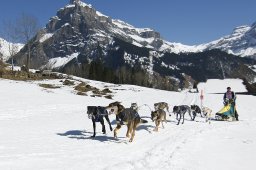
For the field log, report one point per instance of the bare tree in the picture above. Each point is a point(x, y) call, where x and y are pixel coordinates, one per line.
point(1, 57)
point(26, 28)
point(11, 38)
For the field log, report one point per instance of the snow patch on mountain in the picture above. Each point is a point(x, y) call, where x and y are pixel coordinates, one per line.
point(59, 61)
point(45, 37)
point(4, 48)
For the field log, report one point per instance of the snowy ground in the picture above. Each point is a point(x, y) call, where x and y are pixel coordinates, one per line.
point(46, 129)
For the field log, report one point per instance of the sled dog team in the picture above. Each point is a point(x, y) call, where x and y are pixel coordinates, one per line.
point(131, 118)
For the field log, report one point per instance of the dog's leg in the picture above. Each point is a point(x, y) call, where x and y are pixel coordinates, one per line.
point(129, 129)
point(206, 118)
point(201, 113)
point(194, 115)
point(107, 118)
point(133, 134)
point(162, 124)
point(209, 115)
point(183, 114)
point(236, 115)
point(178, 118)
point(189, 112)
point(116, 130)
point(135, 124)
point(157, 124)
point(103, 126)
point(94, 128)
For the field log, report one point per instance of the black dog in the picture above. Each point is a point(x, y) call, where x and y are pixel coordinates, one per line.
point(180, 112)
point(96, 113)
point(196, 110)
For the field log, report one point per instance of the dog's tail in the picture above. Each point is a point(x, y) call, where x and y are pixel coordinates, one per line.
point(143, 121)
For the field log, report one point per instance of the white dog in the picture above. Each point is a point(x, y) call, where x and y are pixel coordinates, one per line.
point(207, 113)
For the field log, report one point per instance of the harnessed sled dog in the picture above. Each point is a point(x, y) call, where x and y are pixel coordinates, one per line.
point(180, 112)
point(196, 110)
point(134, 106)
point(207, 113)
point(96, 113)
point(161, 105)
point(128, 116)
point(158, 117)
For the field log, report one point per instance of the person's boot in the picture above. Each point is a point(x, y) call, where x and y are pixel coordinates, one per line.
point(236, 116)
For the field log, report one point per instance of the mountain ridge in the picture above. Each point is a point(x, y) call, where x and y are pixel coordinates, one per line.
point(82, 41)
point(241, 42)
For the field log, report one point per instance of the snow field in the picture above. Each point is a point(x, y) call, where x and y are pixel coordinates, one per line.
point(49, 129)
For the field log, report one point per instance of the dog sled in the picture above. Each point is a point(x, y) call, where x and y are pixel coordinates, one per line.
point(228, 112)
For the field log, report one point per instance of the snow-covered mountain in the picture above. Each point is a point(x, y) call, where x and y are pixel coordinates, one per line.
point(81, 41)
point(103, 28)
point(4, 48)
point(241, 42)
point(92, 28)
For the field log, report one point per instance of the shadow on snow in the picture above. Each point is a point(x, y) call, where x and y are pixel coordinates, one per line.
point(84, 135)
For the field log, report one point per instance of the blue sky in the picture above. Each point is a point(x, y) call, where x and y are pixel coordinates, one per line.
point(186, 21)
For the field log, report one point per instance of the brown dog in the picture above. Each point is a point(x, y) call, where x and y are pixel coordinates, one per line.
point(161, 105)
point(127, 116)
point(158, 116)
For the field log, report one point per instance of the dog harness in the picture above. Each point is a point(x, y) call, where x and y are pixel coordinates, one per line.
point(97, 113)
point(122, 116)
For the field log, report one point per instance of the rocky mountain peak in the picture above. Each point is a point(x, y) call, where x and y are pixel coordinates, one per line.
point(252, 32)
point(254, 25)
point(241, 30)
point(74, 1)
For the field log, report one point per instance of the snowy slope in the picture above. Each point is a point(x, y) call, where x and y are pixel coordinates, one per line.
point(49, 129)
point(4, 48)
